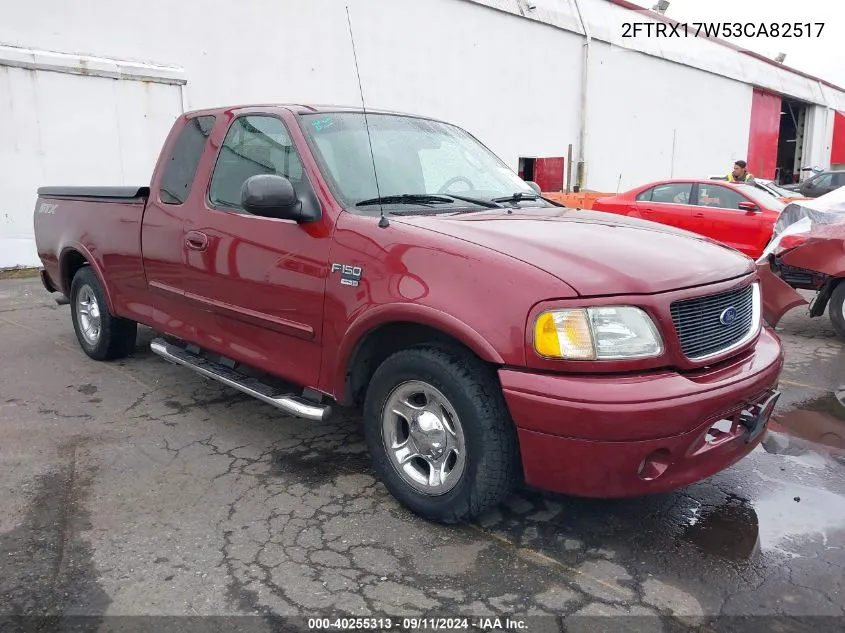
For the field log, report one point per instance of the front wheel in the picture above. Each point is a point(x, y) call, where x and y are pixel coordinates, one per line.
point(439, 433)
point(836, 309)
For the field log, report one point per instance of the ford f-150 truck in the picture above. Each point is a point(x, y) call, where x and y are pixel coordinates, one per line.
point(310, 256)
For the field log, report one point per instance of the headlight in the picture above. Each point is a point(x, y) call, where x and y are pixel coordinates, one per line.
point(600, 333)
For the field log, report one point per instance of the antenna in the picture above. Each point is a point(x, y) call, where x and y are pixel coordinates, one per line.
point(383, 222)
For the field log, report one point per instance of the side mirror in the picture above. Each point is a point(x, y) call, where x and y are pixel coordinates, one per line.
point(749, 207)
point(271, 196)
point(534, 186)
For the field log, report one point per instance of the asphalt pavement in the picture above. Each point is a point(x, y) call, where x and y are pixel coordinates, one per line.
point(137, 488)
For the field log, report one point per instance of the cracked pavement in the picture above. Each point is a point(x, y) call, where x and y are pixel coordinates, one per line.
point(140, 488)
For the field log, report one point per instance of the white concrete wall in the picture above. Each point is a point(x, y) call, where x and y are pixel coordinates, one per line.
point(637, 103)
point(506, 80)
point(507, 74)
point(65, 129)
point(605, 19)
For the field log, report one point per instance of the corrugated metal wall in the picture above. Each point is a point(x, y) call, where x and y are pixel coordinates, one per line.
point(765, 130)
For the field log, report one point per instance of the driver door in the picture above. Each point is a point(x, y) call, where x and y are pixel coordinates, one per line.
point(726, 222)
point(257, 282)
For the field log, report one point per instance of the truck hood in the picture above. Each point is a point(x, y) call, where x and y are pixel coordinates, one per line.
point(595, 253)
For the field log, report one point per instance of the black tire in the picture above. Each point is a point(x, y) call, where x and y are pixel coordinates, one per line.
point(835, 309)
point(117, 336)
point(472, 389)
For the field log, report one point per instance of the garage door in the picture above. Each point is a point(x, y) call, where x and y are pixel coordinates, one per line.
point(61, 128)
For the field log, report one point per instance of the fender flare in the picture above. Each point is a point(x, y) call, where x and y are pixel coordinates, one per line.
point(95, 266)
point(386, 314)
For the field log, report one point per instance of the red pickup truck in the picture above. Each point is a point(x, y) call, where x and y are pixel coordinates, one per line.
point(311, 255)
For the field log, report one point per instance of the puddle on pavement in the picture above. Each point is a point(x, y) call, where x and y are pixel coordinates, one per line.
point(728, 531)
point(819, 420)
point(785, 522)
point(784, 517)
point(785, 513)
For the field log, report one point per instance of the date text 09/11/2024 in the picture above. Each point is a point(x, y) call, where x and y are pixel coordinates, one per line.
point(723, 29)
point(489, 625)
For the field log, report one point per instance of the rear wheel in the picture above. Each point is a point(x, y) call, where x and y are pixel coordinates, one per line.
point(101, 335)
point(439, 433)
point(836, 309)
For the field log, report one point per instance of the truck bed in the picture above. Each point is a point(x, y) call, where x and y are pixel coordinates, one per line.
point(102, 224)
point(114, 193)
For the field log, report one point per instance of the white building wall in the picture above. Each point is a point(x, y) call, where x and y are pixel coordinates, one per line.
point(638, 105)
point(604, 19)
point(509, 74)
point(505, 79)
point(67, 129)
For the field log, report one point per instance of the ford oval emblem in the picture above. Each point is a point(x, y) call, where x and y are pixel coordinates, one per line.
point(728, 316)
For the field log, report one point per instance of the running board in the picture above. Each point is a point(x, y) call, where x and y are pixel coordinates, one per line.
point(288, 403)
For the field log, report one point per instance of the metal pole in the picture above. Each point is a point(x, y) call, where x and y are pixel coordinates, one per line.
point(672, 168)
point(569, 169)
point(582, 141)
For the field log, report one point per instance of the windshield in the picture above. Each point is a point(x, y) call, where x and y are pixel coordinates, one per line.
point(414, 158)
point(785, 193)
point(762, 198)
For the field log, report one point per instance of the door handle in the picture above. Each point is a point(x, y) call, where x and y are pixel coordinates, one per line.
point(699, 215)
point(196, 241)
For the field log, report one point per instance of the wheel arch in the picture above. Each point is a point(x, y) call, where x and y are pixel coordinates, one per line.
point(73, 258)
point(369, 342)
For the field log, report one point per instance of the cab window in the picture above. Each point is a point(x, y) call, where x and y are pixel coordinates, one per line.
point(822, 181)
point(182, 164)
point(254, 145)
point(671, 193)
point(719, 197)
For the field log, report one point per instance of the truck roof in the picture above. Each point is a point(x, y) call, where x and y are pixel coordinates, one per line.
point(299, 108)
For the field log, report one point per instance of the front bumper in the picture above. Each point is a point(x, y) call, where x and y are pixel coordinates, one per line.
point(628, 435)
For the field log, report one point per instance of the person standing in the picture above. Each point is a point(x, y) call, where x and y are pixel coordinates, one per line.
point(740, 173)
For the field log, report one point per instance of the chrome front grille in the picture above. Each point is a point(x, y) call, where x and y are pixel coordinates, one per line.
point(708, 326)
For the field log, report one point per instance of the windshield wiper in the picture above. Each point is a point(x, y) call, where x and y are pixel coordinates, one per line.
point(519, 196)
point(405, 198)
point(489, 204)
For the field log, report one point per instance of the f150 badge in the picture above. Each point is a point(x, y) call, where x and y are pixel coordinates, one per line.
point(46, 207)
point(349, 275)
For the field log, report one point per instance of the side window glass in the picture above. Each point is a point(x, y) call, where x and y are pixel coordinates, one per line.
point(719, 197)
point(181, 167)
point(645, 196)
point(823, 181)
point(253, 145)
point(672, 193)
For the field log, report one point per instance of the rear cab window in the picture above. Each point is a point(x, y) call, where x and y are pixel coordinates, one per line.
point(181, 166)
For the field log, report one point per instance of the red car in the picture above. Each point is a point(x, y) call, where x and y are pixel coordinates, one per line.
point(739, 216)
